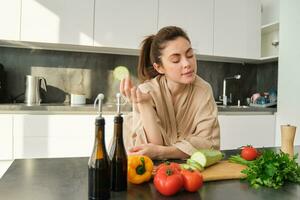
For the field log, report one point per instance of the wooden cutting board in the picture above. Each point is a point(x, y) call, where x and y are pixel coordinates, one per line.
point(223, 170)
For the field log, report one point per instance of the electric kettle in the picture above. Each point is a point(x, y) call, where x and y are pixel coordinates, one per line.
point(33, 86)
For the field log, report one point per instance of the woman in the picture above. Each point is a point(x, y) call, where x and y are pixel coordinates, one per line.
point(174, 112)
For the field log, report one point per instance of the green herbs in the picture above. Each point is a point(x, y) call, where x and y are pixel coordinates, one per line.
point(238, 159)
point(270, 169)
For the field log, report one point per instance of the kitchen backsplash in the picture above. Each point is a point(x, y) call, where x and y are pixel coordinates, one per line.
point(91, 73)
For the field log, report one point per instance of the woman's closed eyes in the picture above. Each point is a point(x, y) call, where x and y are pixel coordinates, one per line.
point(175, 58)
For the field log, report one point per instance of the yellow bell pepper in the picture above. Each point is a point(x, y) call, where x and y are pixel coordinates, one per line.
point(139, 169)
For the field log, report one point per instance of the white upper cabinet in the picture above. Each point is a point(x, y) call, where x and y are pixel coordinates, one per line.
point(270, 11)
point(196, 17)
point(124, 24)
point(57, 21)
point(10, 19)
point(226, 28)
point(270, 28)
point(237, 28)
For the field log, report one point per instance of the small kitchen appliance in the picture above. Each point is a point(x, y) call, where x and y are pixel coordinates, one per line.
point(3, 85)
point(33, 86)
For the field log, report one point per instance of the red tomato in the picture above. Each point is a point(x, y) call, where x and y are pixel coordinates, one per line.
point(192, 180)
point(249, 153)
point(171, 165)
point(168, 181)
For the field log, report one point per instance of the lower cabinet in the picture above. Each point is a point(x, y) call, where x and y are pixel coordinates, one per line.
point(40, 136)
point(6, 137)
point(240, 130)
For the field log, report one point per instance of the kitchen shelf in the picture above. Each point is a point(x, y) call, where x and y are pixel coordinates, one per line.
point(270, 27)
point(268, 59)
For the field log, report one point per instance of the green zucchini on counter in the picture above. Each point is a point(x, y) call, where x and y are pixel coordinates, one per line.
point(203, 158)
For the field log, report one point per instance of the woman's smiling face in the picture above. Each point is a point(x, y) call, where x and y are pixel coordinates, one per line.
point(178, 61)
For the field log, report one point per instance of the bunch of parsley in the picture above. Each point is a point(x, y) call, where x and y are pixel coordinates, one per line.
point(272, 170)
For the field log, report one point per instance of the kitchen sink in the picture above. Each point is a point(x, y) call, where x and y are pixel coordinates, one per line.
point(238, 106)
point(235, 107)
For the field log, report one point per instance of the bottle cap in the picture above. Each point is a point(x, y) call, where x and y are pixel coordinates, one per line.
point(99, 98)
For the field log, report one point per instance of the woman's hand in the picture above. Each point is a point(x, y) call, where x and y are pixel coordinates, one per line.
point(125, 87)
point(153, 151)
point(132, 93)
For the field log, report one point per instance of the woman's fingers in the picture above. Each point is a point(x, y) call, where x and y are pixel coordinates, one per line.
point(127, 87)
point(145, 149)
point(122, 85)
point(135, 149)
point(134, 153)
point(132, 93)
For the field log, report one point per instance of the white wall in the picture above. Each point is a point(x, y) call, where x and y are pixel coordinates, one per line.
point(289, 68)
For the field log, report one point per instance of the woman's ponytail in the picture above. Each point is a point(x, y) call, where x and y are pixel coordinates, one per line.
point(145, 66)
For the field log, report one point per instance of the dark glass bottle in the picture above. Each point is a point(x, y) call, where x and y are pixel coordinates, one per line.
point(99, 165)
point(118, 156)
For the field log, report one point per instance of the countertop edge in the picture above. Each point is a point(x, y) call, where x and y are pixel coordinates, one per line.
point(57, 109)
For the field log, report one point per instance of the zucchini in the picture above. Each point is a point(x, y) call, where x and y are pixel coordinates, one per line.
point(194, 164)
point(187, 166)
point(207, 157)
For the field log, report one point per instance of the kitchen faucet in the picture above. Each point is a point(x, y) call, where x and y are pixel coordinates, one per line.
point(224, 97)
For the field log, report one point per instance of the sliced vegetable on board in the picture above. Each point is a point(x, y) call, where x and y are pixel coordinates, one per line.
point(207, 157)
point(195, 164)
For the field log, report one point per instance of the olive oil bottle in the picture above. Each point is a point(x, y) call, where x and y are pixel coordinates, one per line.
point(118, 153)
point(99, 162)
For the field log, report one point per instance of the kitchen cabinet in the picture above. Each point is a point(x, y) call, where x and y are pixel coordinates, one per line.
point(196, 17)
point(124, 24)
point(270, 11)
point(56, 21)
point(10, 19)
point(237, 28)
point(240, 130)
point(37, 136)
point(217, 28)
point(270, 28)
point(270, 40)
point(6, 137)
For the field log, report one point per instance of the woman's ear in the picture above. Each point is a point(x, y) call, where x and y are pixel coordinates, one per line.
point(158, 68)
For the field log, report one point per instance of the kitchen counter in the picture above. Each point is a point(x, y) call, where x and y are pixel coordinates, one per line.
point(66, 179)
point(245, 110)
point(59, 108)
